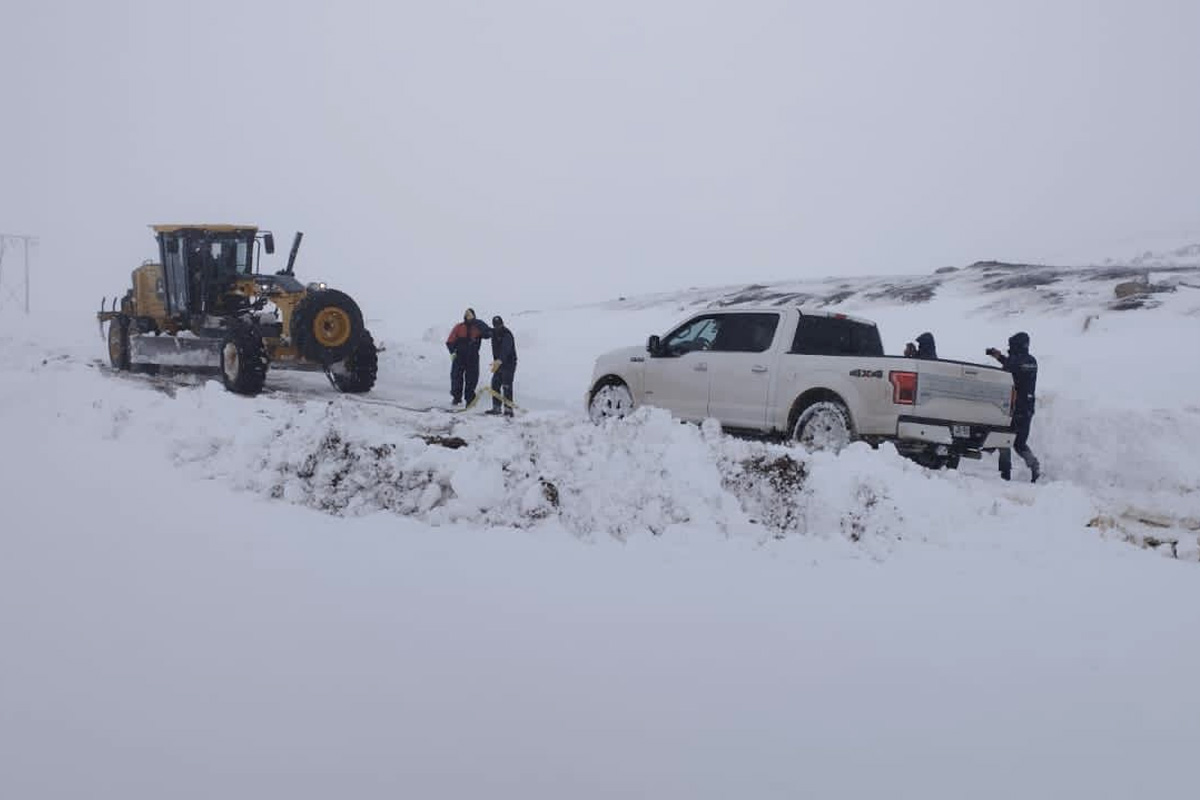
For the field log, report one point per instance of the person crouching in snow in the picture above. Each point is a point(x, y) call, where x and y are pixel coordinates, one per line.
point(924, 348)
point(504, 367)
point(463, 343)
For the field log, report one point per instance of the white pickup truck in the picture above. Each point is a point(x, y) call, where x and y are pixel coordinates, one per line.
point(816, 377)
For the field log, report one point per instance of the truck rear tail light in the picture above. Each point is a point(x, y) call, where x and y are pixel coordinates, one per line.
point(904, 387)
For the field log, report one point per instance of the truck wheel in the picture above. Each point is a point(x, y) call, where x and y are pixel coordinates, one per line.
point(118, 342)
point(357, 373)
point(824, 425)
point(243, 361)
point(611, 400)
point(934, 461)
point(326, 326)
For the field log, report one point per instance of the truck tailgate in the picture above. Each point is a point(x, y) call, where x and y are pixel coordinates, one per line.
point(960, 392)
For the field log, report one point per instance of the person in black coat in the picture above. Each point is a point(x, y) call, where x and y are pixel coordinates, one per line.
point(504, 367)
point(1024, 369)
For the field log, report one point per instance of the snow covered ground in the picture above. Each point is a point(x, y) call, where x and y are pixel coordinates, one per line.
point(310, 595)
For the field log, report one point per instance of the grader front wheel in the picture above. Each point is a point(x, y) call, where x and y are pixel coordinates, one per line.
point(326, 326)
point(357, 373)
point(243, 361)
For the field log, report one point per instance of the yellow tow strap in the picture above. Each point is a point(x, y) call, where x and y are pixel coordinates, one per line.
point(493, 393)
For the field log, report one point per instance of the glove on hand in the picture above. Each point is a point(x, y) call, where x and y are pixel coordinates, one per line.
point(495, 366)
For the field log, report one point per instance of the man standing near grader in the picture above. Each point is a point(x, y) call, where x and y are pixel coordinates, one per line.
point(464, 343)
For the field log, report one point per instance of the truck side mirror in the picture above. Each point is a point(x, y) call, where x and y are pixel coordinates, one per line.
point(269, 242)
point(653, 345)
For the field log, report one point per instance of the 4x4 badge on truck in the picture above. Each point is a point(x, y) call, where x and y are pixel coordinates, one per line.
point(866, 373)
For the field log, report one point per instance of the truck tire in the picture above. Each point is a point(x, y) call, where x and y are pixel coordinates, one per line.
point(243, 360)
point(825, 425)
point(356, 374)
point(611, 399)
point(934, 461)
point(326, 326)
point(118, 342)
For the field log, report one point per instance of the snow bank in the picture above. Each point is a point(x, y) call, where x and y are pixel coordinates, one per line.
point(648, 474)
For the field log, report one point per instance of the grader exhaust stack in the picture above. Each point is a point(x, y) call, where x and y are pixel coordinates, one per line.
point(292, 255)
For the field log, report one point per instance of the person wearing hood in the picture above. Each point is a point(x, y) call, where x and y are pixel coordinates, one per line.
point(504, 367)
point(924, 348)
point(463, 343)
point(1024, 369)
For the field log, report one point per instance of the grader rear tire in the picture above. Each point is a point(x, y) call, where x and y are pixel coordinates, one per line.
point(118, 342)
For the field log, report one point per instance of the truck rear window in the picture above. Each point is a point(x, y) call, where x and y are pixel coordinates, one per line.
point(830, 336)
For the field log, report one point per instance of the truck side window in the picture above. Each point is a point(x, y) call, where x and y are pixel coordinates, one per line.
point(831, 336)
point(696, 334)
point(746, 333)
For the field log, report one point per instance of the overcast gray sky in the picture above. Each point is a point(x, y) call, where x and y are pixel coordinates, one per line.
point(514, 154)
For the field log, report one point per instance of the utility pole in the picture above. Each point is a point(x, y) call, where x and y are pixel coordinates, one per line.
point(26, 241)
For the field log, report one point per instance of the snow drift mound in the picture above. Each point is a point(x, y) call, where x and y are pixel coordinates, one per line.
point(645, 475)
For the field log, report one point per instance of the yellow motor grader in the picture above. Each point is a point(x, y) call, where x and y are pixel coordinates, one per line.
point(205, 305)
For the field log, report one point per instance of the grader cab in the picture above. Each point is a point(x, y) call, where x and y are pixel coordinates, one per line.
point(204, 304)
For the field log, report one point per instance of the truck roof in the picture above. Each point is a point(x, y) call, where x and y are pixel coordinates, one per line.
point(202, 226)
point(806, 312)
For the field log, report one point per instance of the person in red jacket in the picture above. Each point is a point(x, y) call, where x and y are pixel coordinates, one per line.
point(463, 343)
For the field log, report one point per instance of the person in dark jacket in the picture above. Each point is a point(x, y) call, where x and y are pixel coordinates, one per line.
point(924, 348)
point(1024, 369)
point(463, 343)
point(504, 367)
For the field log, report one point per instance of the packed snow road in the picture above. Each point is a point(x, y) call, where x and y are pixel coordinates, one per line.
point(305, 595)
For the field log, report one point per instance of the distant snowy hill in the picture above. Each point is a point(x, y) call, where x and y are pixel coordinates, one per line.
point(992, 284)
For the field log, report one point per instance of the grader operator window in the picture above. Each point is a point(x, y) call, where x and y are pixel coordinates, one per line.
point(229, 257)
point(175, 270)
point(201, 267)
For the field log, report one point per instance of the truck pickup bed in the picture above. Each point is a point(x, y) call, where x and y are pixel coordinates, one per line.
point(816, 377)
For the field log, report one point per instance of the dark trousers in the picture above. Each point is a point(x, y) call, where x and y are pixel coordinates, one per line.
point(502, 384)
point(1021, 445)
point(464, 377)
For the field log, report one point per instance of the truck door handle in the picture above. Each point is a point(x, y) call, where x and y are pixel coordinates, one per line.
point(758, 368)
point(701, 367)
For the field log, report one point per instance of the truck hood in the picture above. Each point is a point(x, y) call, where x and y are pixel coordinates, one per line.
point(625, 362)
point(622, 356)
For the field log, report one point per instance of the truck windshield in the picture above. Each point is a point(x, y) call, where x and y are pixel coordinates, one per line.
point(833, 336)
